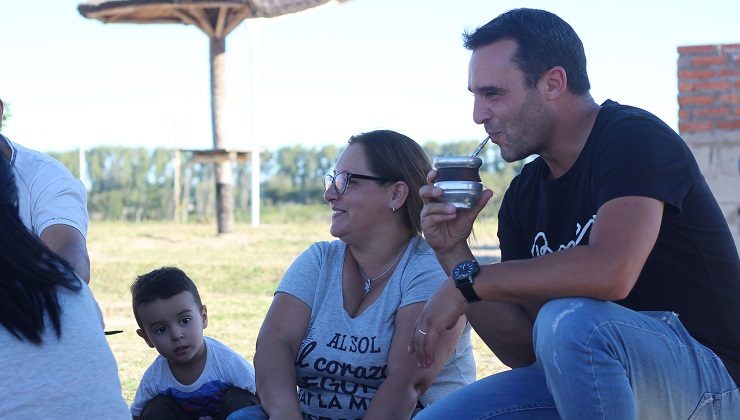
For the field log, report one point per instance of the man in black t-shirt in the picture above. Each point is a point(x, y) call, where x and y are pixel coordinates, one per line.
point(618, 294)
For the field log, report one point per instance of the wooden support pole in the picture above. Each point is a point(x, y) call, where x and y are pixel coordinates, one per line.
point(222, 170)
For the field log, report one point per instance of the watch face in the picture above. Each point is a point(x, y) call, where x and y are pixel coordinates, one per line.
point(464, 270)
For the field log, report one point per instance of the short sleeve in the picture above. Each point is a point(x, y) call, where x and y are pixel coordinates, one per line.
point(145, 392)
point(48, 193)
point(60, 201)
point(237, 370)
point(642, 157)
point(301, 278)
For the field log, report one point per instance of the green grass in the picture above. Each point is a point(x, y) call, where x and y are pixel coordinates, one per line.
point(235, 273)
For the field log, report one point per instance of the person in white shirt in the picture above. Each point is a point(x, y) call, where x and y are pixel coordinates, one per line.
point(52, 202)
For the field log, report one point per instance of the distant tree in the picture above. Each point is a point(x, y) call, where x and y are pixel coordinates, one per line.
point(129, 183)
point(302, 167)
point(70, 159)
point(456, 148)
point(138, 184)
point(325, 160)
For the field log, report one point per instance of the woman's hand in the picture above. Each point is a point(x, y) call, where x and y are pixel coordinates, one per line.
point(440, 314)
point(407, 381)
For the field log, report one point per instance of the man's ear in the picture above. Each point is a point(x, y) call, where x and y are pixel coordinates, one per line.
point(204, 315)
point(555, 82)
point(143, 335)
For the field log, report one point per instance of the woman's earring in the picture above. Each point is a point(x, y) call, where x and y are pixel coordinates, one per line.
point(393, 208)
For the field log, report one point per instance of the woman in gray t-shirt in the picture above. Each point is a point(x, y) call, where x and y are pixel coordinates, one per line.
point(344, 312)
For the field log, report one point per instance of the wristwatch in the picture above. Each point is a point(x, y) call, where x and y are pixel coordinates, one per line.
point(463, 275)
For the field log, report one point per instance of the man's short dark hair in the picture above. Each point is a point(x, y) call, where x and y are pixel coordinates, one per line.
point(544, 41)
point(162, 283)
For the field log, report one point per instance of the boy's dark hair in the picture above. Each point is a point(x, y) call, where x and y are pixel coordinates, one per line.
point(544, 41)
point(162, 283)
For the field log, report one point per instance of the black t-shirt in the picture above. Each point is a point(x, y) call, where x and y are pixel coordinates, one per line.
point(693, 270)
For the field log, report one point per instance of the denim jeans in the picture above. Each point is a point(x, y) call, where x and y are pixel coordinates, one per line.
point(599, 360)
point(254, 412)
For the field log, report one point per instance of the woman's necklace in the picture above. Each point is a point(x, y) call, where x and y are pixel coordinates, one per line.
point(369, 280)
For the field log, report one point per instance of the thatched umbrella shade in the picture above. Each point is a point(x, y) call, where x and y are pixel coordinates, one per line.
point(217, 18)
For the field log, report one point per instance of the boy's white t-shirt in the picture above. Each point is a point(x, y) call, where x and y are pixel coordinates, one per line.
point(224, 369)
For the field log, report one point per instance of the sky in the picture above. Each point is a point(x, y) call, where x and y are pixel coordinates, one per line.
point(317, 77)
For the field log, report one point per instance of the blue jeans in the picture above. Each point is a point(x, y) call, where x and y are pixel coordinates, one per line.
point(254, 412)
point(599, 360)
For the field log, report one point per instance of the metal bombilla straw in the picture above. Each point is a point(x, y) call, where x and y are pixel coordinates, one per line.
point(480, 147)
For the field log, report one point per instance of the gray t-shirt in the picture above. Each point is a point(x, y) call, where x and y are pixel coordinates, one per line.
point(71, 377)
point(343, 360)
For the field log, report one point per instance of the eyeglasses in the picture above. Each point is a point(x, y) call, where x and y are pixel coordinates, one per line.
point(341, 180)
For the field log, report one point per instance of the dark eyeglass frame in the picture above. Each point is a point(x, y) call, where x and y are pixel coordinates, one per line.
point(331, 179)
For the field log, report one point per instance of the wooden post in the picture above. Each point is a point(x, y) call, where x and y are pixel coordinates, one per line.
point(222, 170)
point(185, 200)
point(176, 187)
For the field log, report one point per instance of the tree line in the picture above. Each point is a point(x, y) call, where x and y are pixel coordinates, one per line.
point(136, 183)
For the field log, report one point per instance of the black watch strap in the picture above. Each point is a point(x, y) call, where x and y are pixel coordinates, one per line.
point(466, 288)
point(463, 275)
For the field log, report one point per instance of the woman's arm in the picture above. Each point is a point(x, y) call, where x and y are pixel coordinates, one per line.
point(274, 361)
point(406, 382)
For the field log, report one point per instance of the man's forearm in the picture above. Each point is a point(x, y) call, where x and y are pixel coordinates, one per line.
point(449, 259)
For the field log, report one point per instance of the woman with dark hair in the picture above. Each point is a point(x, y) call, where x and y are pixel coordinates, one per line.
point(55, 360)
point(344, 311)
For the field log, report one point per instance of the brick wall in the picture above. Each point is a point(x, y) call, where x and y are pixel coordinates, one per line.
point(709, 119)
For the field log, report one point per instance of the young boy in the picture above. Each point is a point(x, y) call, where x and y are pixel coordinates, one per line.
point(194, 376)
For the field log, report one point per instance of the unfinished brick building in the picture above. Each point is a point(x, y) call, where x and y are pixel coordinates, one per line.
point(709, 120)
